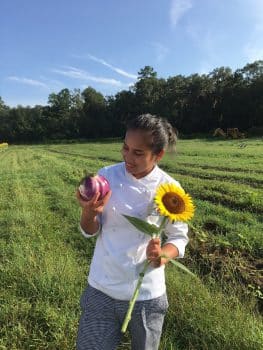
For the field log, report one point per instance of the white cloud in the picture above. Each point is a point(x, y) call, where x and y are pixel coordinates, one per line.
point(27, 81)
point(115, 69)
point(52, 83)
point(178, 9)
point(75, 73)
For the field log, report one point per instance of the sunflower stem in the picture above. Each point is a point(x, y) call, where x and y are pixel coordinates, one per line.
point(134, 297)
point(162, 225)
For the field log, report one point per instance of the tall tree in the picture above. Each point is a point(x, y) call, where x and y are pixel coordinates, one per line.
point(4, 122)
point(93, 121)
point(146, 90)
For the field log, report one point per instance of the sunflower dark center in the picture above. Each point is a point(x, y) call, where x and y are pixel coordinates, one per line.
point(173, 203)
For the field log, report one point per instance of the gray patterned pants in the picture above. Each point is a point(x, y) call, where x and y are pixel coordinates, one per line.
point(102, 317)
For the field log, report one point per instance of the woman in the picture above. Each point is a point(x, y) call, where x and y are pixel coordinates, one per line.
point(121, 249)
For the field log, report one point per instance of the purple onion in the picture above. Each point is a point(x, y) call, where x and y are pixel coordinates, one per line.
point(90, 185)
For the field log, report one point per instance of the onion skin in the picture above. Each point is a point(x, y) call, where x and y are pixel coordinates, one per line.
point(90, 185)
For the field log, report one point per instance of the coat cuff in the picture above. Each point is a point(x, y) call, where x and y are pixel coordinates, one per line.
point(89, 235)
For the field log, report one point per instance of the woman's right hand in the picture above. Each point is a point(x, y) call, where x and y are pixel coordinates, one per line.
point(94, 206)
point(90, 210)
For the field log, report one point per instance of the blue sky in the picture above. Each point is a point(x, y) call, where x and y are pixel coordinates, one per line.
point(54, 44)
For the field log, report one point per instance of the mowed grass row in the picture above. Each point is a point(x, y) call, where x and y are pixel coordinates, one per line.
point(238, 198)
point(39, 271)
point(253, 178)
point(44, 261)
point(228, 221)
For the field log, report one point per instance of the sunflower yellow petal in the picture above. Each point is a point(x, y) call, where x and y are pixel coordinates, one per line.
point(172, 202)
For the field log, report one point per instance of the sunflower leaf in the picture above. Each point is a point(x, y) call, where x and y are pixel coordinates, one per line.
point(181, 266)
point(142, 225)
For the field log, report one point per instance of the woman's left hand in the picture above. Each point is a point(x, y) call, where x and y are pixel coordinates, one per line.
point(153, 252)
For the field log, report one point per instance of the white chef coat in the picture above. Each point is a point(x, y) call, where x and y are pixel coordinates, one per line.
point(120, 249)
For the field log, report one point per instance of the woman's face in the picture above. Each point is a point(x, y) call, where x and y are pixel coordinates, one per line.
point(138, 157)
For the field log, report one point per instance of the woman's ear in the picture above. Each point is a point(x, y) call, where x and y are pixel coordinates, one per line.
point(160, 155)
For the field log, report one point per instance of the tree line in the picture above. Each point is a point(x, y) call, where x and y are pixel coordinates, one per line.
point(193, 104)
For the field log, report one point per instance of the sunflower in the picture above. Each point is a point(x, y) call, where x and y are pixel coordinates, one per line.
point(174, 203)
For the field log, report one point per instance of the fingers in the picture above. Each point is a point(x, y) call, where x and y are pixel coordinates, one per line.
point(94, 204)
point(100, 203)
point(153, 252)
point(156, 262)
point(154, 244)
point(155, 241)
point(78, 194)
point(85, 203)
point(106, 198)
point(95, 200)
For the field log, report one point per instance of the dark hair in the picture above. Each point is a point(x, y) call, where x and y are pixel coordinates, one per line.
point(164, 136)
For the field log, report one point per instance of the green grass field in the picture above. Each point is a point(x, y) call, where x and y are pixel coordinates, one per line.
point(45, 260)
